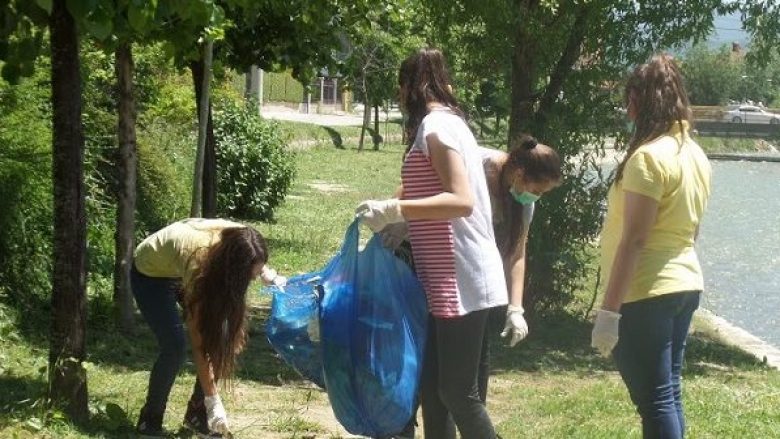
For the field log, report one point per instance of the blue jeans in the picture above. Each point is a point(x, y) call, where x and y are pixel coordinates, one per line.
point(649, 355)
point(158, 299)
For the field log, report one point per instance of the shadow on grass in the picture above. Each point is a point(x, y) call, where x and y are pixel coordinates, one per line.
point(561, 342)
point(108, 346)
point(23, 401)
point(21, 397)
point(259, 362)
point(335, 136)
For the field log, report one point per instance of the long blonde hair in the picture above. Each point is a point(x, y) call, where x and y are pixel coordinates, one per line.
point(657, 92)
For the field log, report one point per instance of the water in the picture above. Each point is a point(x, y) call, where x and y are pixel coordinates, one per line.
point(739, 247)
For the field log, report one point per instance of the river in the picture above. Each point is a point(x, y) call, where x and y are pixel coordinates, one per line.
point(739, 247)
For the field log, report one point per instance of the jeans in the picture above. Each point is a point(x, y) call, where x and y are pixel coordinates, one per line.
point(649, 356)
point(157, 300)
point(449, 389)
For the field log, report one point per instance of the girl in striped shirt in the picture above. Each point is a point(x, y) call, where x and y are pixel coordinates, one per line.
point(445, 200)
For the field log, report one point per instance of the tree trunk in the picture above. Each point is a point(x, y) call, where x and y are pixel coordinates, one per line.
point(209, 179)
point(366, 114)
point(196, 209)
point(376, 127)
point(67, 376)
point(522, 110)
point(125, 223)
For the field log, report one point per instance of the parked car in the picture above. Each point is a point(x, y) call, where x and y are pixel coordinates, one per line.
point(750, 114)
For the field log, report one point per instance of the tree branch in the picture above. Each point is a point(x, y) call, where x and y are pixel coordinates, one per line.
point(564, 65)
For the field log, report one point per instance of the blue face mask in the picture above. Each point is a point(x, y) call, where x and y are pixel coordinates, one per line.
point(523, 198)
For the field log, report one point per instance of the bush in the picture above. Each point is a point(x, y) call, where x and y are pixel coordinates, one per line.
point(165, 164)
point(254, 170)
point(25, 188)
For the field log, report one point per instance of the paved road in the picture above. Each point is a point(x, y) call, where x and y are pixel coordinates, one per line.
point(284, 113)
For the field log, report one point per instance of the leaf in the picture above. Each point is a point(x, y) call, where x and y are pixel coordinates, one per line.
point(99, 27)
point(80, 9)
point(45, 4)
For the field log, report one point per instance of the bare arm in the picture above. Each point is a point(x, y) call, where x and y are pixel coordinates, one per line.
point(639, 217)
point(516, 269)
point(202, 366)
point(456, 199)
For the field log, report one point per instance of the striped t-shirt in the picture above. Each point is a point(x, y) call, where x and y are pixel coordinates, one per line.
point(456, 260)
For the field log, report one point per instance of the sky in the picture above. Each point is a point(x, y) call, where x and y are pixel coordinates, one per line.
point(728, 30)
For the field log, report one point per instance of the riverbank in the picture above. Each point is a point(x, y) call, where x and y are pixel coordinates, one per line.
point(718, 328)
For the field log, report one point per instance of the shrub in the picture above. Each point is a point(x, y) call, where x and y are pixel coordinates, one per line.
point(165, 166)
point(25, 188)
point(254, 170)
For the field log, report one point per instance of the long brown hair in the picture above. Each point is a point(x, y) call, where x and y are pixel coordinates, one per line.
point(217, 301)
point(424, 78)
point(657, 92)
point(540, 163)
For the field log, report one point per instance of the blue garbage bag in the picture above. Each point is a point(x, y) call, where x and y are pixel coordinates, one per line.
point(373, 319)
point(294, 323)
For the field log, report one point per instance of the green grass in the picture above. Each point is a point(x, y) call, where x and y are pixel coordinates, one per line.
point(552, 385)
point(734, 144)
point(311, 134)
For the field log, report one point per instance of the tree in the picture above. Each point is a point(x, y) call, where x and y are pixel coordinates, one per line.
point(377, 45)
point(67, 351)
point(712, 77)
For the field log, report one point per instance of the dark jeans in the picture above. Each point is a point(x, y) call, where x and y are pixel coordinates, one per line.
point(157, 299)
point(649, 355)
point(449, 389)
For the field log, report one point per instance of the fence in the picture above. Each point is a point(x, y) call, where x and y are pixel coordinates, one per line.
point(729, 129)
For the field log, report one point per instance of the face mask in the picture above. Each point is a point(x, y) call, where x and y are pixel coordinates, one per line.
point(523, 198)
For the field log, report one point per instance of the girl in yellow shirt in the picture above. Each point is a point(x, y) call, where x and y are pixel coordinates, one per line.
point(204, 265)
point(654, 209)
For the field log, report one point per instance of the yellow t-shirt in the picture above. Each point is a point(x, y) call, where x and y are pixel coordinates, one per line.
point(674, 171)
point(175, 250)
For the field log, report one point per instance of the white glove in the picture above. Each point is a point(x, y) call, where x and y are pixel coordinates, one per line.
point(280, 281)
point(515, 324)
point(216, 417)
point(378, 214)
point(271, 277)
point(394, 234)
point(605, 331)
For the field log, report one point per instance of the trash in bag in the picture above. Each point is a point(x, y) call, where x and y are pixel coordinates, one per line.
point(293, 327)
point(373, 319)
point(357, 328)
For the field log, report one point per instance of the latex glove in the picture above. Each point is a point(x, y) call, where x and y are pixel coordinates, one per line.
point(271, 277)
point(605, 331)
point(394, 234)
point(378, 214)
point(515, 324)
point(280, 281)
point(216, 417)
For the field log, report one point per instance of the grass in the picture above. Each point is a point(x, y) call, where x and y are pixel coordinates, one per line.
point(551, 385)
point(310, 134)
point(735, 144)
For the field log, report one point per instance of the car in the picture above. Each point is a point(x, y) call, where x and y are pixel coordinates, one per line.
point(750, 114)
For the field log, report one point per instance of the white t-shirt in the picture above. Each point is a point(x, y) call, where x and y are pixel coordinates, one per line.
point(457, 259)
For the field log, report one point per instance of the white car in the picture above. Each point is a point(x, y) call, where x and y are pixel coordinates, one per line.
point(750, 114)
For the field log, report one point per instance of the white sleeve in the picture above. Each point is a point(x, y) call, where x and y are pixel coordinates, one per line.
point(443, 126)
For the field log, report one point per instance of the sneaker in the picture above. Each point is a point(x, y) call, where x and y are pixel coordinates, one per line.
point(150, 425)
point(195, 421)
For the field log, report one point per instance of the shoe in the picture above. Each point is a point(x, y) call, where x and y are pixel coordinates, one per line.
point(195, 421)
point(150, 425)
